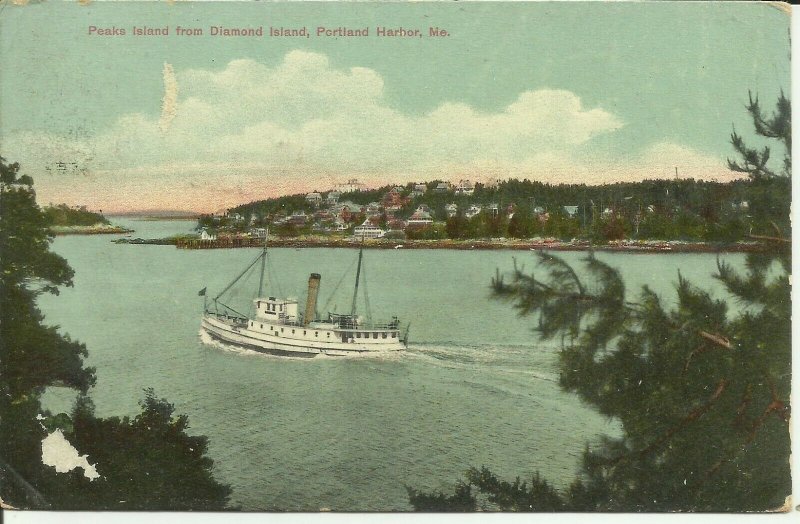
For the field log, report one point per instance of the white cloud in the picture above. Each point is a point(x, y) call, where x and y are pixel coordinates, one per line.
point(170, 101)
point(233, 134)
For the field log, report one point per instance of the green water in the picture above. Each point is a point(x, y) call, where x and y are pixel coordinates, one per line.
point(474, 387)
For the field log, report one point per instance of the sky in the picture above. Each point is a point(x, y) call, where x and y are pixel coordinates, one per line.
point(558, 92)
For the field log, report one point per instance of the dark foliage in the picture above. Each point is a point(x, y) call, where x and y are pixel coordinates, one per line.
point(148, 462)
point(63, 215)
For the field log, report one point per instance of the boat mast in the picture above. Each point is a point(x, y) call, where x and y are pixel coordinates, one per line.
point(263, 264)
point(358, 275)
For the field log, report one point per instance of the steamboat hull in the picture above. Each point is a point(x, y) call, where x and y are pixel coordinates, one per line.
point(240, 334)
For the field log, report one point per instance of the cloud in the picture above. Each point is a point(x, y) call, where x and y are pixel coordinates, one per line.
point(248, 130)
point(170, 101)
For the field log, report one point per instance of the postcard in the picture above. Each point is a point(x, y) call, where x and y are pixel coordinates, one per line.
point(395, 257)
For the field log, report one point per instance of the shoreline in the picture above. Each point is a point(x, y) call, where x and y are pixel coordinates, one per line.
point(94, 229)
point(628, 246)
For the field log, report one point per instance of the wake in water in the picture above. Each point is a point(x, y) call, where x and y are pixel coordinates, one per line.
point(536, 363)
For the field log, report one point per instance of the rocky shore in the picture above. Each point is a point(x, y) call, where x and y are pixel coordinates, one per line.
point(636, 246)
point(94, 229)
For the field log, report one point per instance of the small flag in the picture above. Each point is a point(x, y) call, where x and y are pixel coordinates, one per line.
point(202, 292)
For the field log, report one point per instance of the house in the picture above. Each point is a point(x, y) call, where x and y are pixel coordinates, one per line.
point(367, 230)
point(465, 187)
point(451, 210)
point(493, 209)
point(472, 211)
point(420, 218)
point(397, 224)
point(314, 198)
point(510, 210)
point(205, 235)
point(332, 198)
point(538, 210)
point(258, 232)
point(347, 210)
point(419, 190)
point(279, 218)
point(298, 218)
point(571, 211)
point(322, 214)
point(394, 199)
point(744, 205)
point(441, 187)
point(373, 209)
point(351, 186)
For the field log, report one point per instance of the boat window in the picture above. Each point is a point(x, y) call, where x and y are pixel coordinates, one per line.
point(383, 335)
point(281, 330)
point(304, 331)
point(394, 335)
point(262, 326)
point(328, 333)
point(375, 335)
point(358, 335)
point(316, 333)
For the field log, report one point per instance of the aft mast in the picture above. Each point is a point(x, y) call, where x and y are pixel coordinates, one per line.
point(358, 276)
point(263, 265)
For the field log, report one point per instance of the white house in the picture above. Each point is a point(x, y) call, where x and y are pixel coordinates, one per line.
point(314, 198)
point(205, 235)
point(332, 198)
point(451, 209)
point(350, 186)
point(419, 190)
point(367, 230)
point(571, 210)
point(465, 187)
point(473, 210)
point(258, 232)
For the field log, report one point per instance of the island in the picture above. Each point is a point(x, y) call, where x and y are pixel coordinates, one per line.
point(78, 220)
point(678, 215)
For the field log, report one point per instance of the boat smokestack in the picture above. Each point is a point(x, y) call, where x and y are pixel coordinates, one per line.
point(311, 301)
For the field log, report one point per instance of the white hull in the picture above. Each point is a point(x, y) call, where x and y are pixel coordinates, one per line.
point(302, 341)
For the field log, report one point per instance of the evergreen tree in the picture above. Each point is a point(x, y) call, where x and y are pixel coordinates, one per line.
point(148, 462)
point(701, 391)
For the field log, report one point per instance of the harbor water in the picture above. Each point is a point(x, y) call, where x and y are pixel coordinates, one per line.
point(474, 388)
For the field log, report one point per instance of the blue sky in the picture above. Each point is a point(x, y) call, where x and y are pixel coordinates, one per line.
point(560, 92)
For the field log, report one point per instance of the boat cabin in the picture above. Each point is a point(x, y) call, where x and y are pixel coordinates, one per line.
point(277, 310)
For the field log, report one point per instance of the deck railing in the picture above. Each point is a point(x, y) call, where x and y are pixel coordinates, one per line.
point(339, 321)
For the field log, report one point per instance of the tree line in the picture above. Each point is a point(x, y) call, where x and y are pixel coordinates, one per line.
point(680, 209)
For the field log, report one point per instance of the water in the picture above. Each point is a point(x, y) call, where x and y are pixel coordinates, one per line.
point(475, 388)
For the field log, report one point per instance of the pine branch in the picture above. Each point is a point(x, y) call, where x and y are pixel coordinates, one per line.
point(693, 415)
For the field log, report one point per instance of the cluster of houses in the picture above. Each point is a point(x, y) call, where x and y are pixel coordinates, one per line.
point(329, 214)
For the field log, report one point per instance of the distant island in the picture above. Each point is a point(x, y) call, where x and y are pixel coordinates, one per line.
point(78, 220)
point(646, 213)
